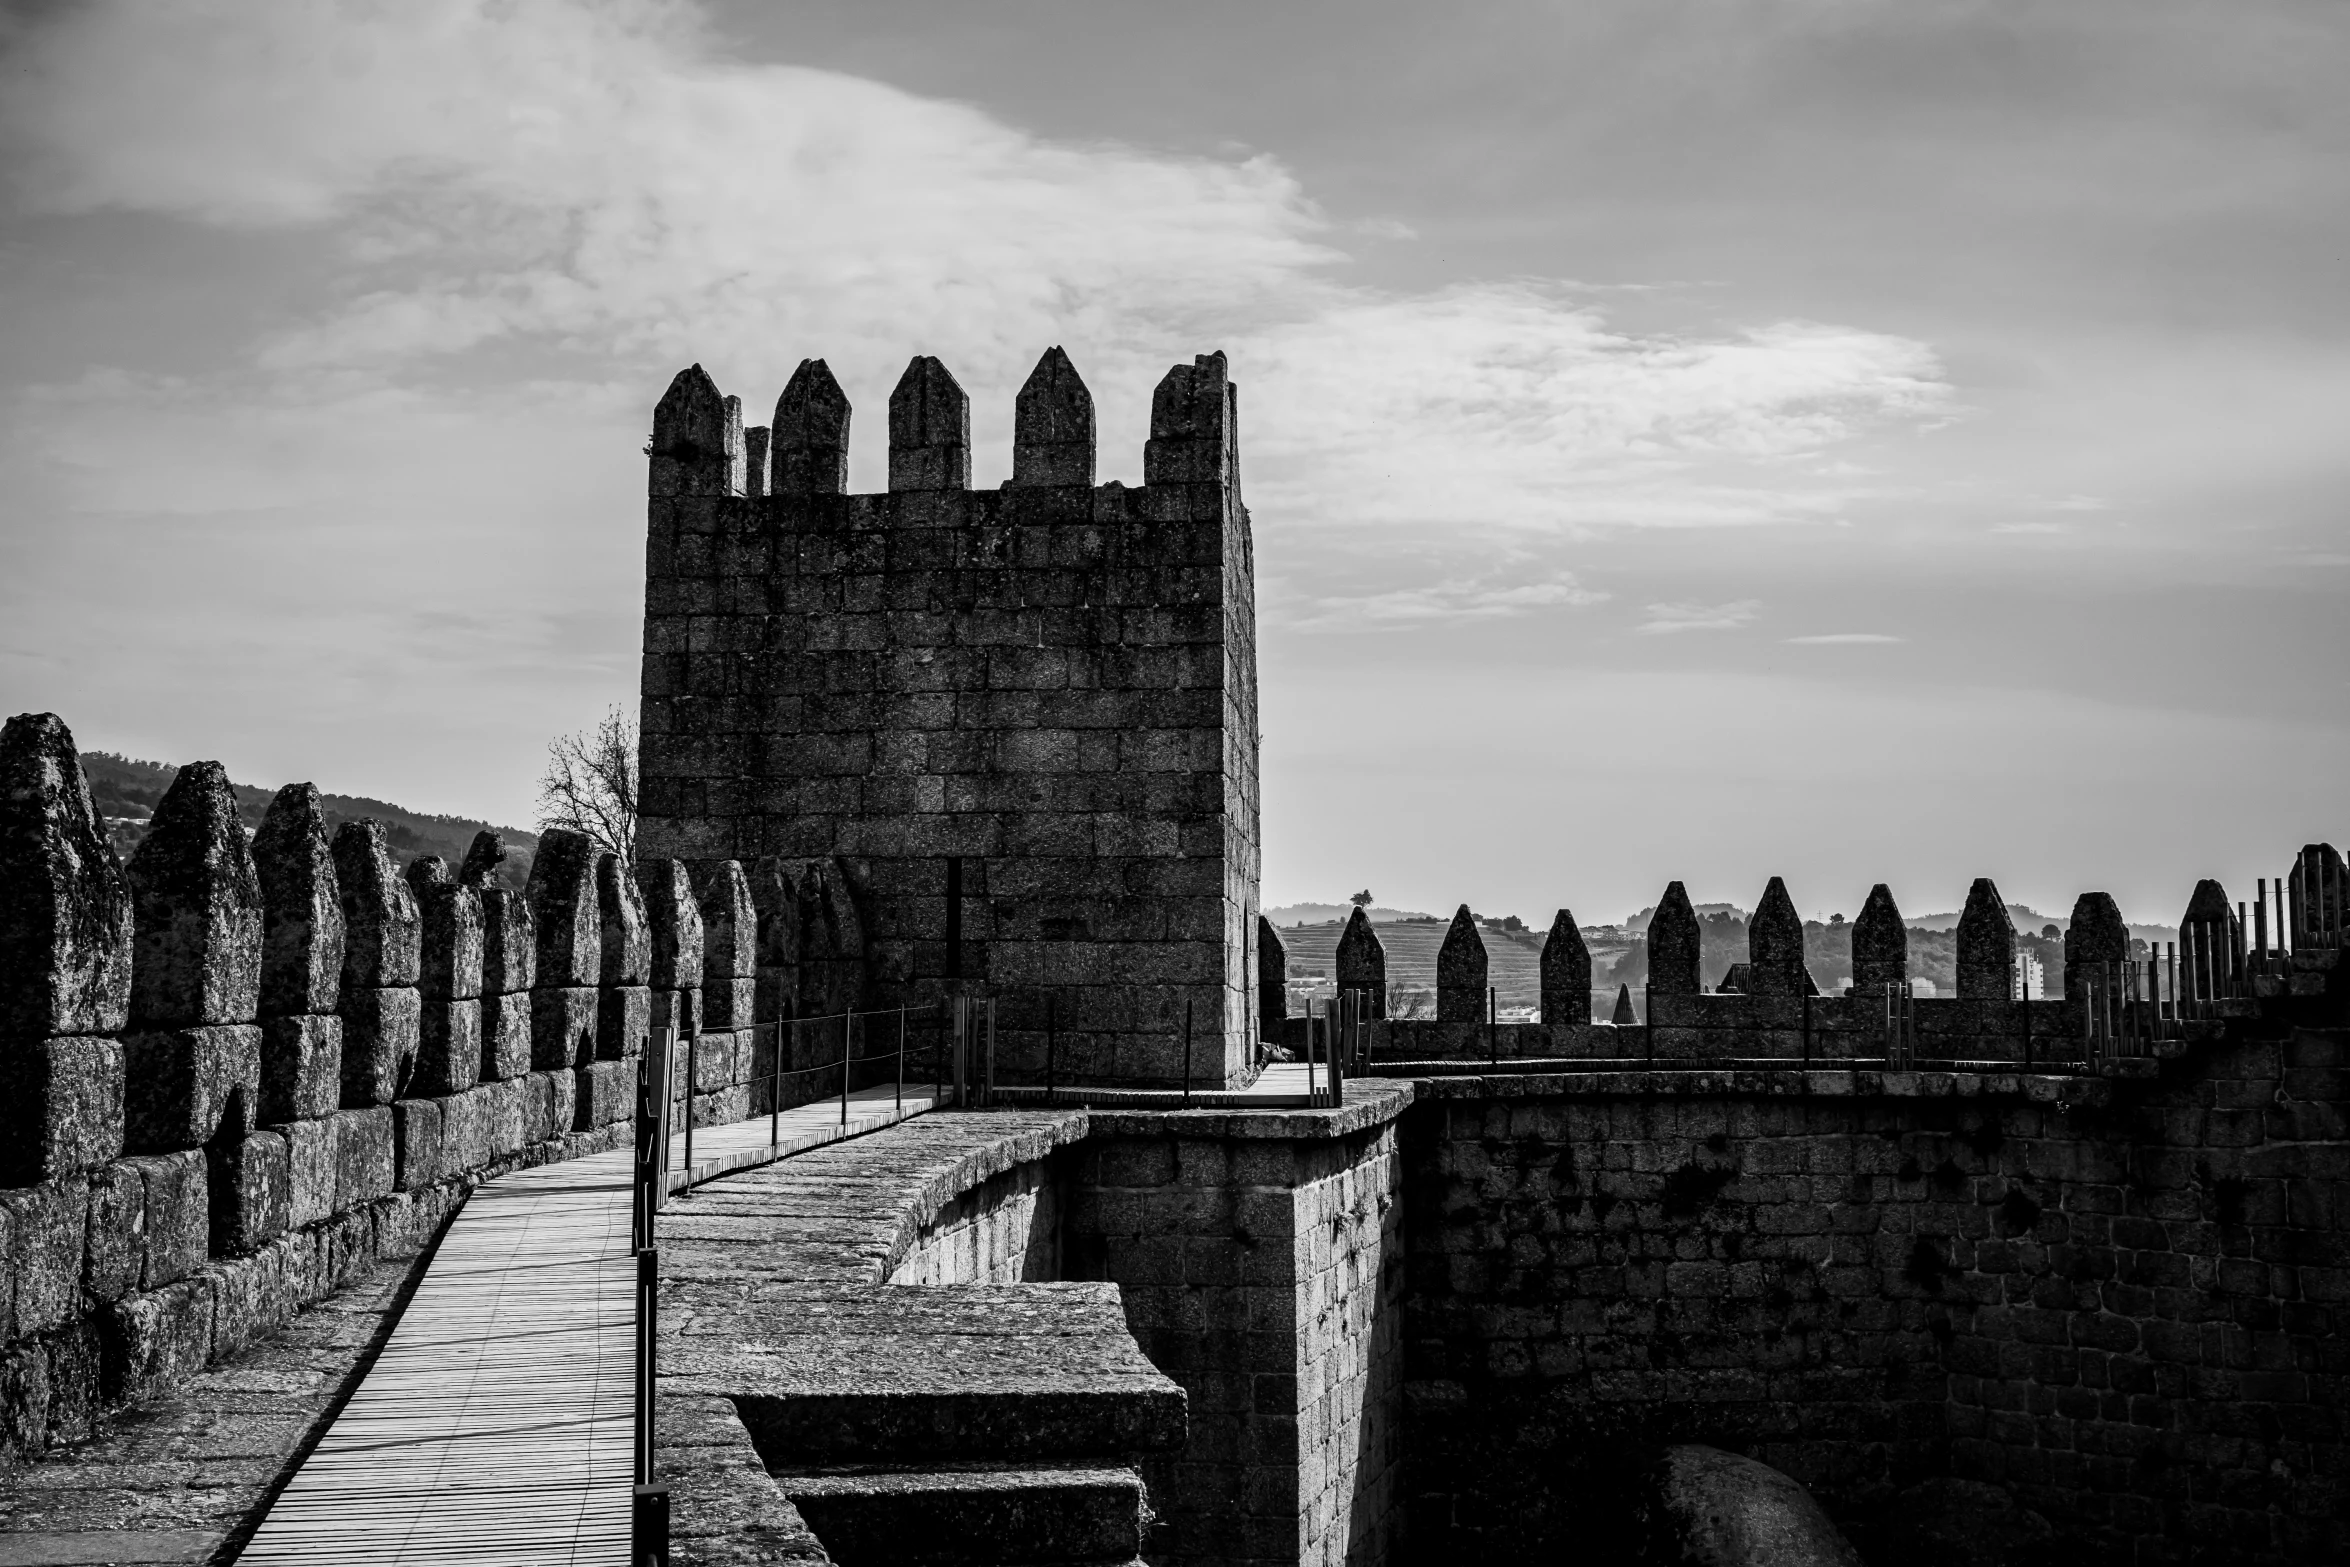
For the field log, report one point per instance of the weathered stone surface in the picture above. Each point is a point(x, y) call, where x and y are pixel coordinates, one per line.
point(47, 1232)
point(504, 1130)
point(1566, 973)
point(755, 444)
point(116, 1253)
point(562, 1027)
point(310, 1170)
point(1361, 962)
point(364, 1158)
point(1272, 980)
point(1986, 946)
point(2317, 898)
point(728, 1005)
point(673, 920)
point(604, 1093)
point(248, 1182)
point(509, 944)
point(381, 934)
point(468, 1121)
point(196, 909)
point(1195, 433)
point(1674, 946)
point(730, 927)
point(416, 1143)
point(678, 1011)
point(2211, 942)
point(1774, 947)
point(380, 1038)
point(1880, 945)
point(776, 894)
point(185, 1087)
point(256, 1294)
point(61, 1107)
point(449, 923)
point(1948, 1522)
point(301, 1067)
point(301, 907)
point(833, 976)
point(929, 429)
point(564, 911)
point(2095, 936)
point(624, 1017)
point(158, 1339)
point(1717, 1509)
point(549, 1104)
point(65, 908)
point(1052, 425)
point(624, 945)
point(505, 1036)
point(177, 1214)
point(697, 446)
point(448, 1047)
point(1461, 972)
point(483, 857)
point(810, 452)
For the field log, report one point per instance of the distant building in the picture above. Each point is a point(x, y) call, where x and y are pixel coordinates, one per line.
point(2031, 976)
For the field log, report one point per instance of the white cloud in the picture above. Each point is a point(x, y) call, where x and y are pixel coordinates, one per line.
point(1843, 639)
point(1664, 619)
point(599, 178)
point(1489, 599)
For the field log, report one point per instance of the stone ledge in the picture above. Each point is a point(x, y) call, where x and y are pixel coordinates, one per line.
point(1369, 1102)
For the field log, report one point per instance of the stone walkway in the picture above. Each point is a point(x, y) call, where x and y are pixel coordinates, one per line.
point(496, 1425)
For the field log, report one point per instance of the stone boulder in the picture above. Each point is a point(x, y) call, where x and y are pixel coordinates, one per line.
point(1709, 1508)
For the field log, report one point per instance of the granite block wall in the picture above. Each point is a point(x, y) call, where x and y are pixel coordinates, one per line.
point(244, 1020)
point(1017, 727)
point(2121, 1298)
point(1258, 1258)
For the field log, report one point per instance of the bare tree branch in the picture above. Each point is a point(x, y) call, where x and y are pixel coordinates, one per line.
point(590, 784)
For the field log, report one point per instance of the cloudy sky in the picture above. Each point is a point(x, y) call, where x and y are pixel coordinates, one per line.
point(1686, 438)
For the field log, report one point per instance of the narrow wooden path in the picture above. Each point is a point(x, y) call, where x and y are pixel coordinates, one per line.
point(495, 1428)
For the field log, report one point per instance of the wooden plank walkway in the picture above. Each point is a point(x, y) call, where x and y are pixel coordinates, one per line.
point(496, 1426)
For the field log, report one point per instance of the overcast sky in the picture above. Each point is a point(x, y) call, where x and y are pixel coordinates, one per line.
point(1852, 441)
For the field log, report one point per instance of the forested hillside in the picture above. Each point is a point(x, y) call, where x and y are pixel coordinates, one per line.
point(126, 790)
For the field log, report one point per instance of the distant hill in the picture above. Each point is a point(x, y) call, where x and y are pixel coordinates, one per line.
point(1322, 913)
point(126, 791)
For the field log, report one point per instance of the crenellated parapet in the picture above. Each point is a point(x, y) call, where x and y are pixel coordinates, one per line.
point(2119, 999)
point(996, 741)
point(235, 1073)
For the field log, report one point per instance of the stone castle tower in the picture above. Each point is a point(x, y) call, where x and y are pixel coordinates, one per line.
point(1001, 742)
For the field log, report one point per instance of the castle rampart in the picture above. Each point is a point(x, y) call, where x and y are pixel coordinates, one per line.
point(1014, 731)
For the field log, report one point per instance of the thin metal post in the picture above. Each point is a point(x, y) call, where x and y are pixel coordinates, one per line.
point(690, 1077)
point(648, 1308)
point(1807, 1025)
point(1187, 1053)
point(1052, 1042)
point(848, 1021)
point(1343, 1062)
point(649, 1500)
point(1648, 1019)
point(2260, 927)
point(898, 1103)
point(1492, 1031)
point(988, 1006)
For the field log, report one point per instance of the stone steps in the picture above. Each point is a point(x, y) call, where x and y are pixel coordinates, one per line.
point(973, 1516)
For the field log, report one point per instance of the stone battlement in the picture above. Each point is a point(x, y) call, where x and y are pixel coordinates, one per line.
point(233, 1074)
point(1018, 725)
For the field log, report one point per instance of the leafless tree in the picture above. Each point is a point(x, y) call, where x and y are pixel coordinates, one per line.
point(590, 784)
